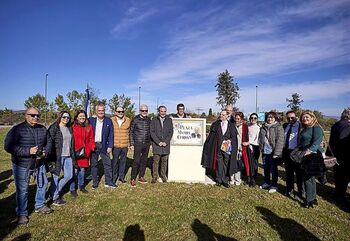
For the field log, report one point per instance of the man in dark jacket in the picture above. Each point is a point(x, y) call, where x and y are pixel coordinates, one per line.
point(161, 133)
point(217, 155)
point(180, 112)
point(291, 134)
point(29, 144)
point(104, 139)
point(339, 143)
point(140, 141)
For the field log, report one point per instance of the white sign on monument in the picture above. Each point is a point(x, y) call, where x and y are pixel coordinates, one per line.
point(186, 150)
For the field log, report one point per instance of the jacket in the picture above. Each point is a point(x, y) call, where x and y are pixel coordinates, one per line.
point(161, 134)
point(121, 133)
point(83, 136)
point(107, 132)
point(213, 144)
point(57, 144)
point(276, 138)
point(140, 130)
point(339, 142)
point(21, 138)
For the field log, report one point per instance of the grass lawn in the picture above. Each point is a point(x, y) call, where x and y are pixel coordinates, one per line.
point(174, 211)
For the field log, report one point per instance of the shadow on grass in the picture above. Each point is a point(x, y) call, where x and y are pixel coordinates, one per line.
point(23, 237)
point(5, 174)
point(8, 213)
point(134, 233)
point(205, 233)
point(288, 229)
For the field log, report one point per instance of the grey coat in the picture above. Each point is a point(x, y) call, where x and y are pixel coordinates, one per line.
point(276, 138)
point(161, 134)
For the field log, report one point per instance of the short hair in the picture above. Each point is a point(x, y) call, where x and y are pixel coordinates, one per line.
point(143, 105)
point(100, 103)
point(30, 108)
point(273, 113)
point(240, 114)
point(229, 106)
point(161, 106)
point(290, 112)
point(180, 105)
point(346, 113)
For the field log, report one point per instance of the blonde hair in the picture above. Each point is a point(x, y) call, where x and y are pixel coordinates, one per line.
point(313, 117)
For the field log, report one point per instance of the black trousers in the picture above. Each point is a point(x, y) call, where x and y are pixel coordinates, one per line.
point(222, 159)
point(140, 159)
point(341, 179)
point(291, 169)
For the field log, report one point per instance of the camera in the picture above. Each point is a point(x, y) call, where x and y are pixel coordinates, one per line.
point(40, 153)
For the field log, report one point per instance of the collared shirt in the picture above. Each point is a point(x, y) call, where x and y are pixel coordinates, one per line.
point(293, 138)
point(162, 121)
point(120, 121)
point(98, 130)
point(224, 127)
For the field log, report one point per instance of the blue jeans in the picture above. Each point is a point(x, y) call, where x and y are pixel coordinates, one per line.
point(58, 183)
point(107, 165)
point(79, 176)
point(119, 162)
point(270, 167)
point(21, 176)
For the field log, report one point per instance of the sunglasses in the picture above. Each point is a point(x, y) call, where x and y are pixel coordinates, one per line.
point(66, 117)
point(253, 118)
point(291, 118)
point(120, 111)
point(34, 115)
point(144, 110)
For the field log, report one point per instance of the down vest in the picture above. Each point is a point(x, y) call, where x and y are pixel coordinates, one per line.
point(140, 130)
point(21, 138)
point(121, 133)
point(275, 137)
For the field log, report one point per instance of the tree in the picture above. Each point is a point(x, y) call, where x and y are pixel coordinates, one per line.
point(122, 101)
point(38, 101)
point(60, 103)
point(203, 115)
point(210, 112)
point(227, 90)
point(295, 102)
point(75, 101)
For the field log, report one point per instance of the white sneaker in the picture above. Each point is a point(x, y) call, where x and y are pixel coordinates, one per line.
point(237, 183)
point(264, 186)
point(273, 190)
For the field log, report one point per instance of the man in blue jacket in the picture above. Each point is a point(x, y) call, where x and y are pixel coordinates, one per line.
point(103, 133)
point(29, 144)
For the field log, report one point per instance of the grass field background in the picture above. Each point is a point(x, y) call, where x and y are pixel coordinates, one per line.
point(174, 211)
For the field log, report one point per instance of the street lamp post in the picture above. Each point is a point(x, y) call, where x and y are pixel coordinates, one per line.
point(139, 97)
point(46, 76)
point(256, 99)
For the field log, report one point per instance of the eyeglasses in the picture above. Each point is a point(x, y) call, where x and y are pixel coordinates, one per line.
point(290, 118)
point(34, 115)
point(253, 118)
point(66, 117)
point(120, 111)
point(144, 110)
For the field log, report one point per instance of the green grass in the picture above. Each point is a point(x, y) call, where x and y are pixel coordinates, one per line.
point(174, 211)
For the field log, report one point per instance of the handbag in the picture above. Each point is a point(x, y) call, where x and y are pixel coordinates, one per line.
point(330, 161)
point(80, 153)
point(297, 155)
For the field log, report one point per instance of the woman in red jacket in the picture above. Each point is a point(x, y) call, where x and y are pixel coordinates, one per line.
point(83, 138)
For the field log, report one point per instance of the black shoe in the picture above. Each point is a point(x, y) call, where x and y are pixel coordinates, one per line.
point(289, 193)
point(225, 184)
point(74, 194)
point(122, 181)
point(83, 190)
point(308, 205)
point(315, 202)
point(252, 183)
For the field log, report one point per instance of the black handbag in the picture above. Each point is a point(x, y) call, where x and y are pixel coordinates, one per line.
point(80, 153)
point(297, 155)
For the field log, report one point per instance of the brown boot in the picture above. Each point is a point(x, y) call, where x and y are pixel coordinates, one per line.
point(133, 183)
point(142, 180)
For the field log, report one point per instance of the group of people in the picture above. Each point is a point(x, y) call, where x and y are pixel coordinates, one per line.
point(233, 147)
point(70, 146)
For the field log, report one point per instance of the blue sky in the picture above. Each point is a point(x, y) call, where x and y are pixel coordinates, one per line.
point(174, 50)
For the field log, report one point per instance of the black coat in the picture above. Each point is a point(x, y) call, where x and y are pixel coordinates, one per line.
point(21, 138)
point(161, 134)
point(339, 142)
point(213, 143)
point(57, 146)
point(140, 130)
